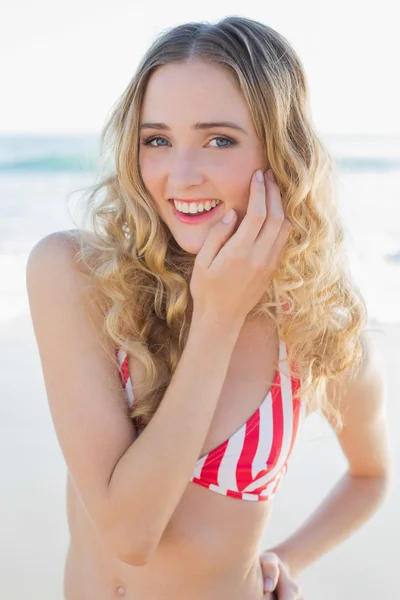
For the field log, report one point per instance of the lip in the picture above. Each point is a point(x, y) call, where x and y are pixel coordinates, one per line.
point(199, 218)
point(193, 199)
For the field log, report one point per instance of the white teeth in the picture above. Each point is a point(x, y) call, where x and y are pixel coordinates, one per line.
point(194, 207)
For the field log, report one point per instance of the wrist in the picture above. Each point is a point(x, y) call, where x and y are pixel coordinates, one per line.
point(217, 324)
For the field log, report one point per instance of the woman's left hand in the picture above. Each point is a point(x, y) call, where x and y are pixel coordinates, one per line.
point(277, 575)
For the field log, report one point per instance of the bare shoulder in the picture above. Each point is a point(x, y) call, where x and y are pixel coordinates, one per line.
point(59, 249)
point(363, 390)
point(53, 268)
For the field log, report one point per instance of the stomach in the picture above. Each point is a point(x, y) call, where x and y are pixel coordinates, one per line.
point(208, 551)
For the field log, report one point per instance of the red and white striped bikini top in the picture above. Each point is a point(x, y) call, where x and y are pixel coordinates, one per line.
point(251, 463)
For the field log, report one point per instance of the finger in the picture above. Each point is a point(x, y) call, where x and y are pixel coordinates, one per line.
point(254, 218)
point(270, 557)
point(269, 253)
point(284, 592)
point(269, 584)
point(287, 588)
point(270, 568)
point(215, 240)
point(276, 216)
point(270, 580)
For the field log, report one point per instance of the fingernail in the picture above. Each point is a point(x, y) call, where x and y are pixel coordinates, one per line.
point(271, 175)
point(259, 176)
point(268, 584)
point(229, 216)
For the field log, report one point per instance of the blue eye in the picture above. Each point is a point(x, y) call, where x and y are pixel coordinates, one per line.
point(148, 141)
point(224, 139)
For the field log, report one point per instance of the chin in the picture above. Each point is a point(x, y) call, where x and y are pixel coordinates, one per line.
point(191, 247)
point(190, 239)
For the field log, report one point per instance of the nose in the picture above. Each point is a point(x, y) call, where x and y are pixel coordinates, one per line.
point(183, 172)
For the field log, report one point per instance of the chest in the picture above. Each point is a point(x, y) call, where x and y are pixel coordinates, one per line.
point(248, 380)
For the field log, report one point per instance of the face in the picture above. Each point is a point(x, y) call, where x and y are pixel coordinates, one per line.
point(200, 164)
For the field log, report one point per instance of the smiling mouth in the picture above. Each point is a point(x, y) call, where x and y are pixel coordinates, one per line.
point(192, 208)
point(197, 217)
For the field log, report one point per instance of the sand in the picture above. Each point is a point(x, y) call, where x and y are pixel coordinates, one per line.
point(33, 526)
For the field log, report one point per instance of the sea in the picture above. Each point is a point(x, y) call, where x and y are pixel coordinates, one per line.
point(42, 179)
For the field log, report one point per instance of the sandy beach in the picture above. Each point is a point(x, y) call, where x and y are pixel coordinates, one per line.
point(33, 516)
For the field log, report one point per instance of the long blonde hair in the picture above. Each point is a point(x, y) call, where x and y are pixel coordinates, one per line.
point(142, 274)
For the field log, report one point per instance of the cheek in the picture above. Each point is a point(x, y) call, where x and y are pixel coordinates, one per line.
point(148, 170)
point(241, 176)
point(236, 185)
point(152, 177)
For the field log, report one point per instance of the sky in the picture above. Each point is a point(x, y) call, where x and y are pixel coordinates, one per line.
point(65, 63)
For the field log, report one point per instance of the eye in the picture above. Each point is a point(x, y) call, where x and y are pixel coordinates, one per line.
point(224, 139)
point(151, 139)
point(230, 141)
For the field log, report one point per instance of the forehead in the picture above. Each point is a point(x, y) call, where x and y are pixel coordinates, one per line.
point(201, 90)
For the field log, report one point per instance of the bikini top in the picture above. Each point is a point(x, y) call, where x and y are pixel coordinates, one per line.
point(251, 463)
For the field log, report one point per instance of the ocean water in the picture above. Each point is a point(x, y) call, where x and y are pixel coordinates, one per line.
point(38, 173)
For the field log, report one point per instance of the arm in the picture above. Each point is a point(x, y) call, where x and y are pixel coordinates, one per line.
point(129, 486)
point(151, 477)
point(363, 488)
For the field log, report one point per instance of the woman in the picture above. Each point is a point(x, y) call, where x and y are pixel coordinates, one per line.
point(185, 337)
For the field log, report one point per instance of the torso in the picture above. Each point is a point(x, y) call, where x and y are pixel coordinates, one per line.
point(210, 548)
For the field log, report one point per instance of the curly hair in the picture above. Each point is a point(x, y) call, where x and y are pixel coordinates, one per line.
point(142, 274)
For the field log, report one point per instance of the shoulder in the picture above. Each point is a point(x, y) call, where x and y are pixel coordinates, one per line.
point(58, 249)
point(363, 392)
point(55, 276)
point(57, 255)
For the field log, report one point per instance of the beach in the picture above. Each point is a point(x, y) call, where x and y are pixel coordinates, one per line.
point(34, 534)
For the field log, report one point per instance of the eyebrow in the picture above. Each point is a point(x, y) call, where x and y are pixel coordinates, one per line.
point(196, 126)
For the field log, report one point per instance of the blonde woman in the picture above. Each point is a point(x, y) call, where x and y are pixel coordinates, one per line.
point(186, 334)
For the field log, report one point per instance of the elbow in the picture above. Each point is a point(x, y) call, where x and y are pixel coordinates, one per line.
point(134, 558)
point(132, 538)
point(130, 547)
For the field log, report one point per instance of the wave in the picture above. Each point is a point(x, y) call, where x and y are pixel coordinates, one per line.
point(51, 164)
point(363, 163)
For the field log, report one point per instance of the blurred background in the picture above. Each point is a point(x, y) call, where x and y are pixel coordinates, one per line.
point(64, 66)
